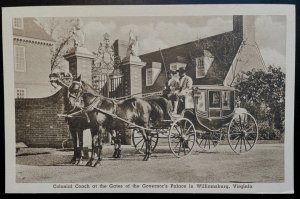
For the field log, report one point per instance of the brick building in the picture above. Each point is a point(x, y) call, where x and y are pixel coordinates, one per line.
point(218, 59)
point(31, 59)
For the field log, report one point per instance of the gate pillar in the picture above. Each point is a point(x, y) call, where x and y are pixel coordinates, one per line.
point(80, 63)
point(132, 69)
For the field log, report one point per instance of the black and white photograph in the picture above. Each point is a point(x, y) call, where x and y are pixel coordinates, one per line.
point(149, 99)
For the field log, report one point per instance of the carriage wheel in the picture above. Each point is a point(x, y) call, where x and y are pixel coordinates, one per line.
point(242, 133)
point(208, 140)
point(182, 137)
point(139, 142)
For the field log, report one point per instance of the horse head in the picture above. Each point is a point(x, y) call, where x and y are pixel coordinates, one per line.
point(60, 78)
point(75, 93)
point(81, 94)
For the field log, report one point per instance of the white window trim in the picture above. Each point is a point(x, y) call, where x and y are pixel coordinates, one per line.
point(22, 24)
point(155, 71)
point(149, 69)
point(15, 51)
point(16, 90)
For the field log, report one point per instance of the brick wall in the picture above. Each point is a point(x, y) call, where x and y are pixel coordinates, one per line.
point(37, 123)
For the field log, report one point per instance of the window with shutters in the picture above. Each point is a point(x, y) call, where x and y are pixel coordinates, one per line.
point(203, 63)
point(18, 23)
point(200, 72)
point(20, 92)
point(19, 58)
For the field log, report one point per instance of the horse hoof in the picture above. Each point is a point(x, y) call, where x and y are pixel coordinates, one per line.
point(97, 163)
point(89, 163)
point(80, 163)
point(73, 161)
point(76, 162)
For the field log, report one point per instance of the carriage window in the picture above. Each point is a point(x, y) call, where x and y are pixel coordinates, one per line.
point(200, 101)
point(226, 100)
point(214, 99)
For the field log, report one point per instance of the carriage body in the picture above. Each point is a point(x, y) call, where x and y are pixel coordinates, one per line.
point(214, 107)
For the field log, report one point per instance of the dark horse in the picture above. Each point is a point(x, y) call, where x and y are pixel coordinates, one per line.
point(102, 112)
point(76, 124)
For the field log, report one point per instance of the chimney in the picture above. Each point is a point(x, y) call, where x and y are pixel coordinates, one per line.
point(120, 47)
point(244, 26)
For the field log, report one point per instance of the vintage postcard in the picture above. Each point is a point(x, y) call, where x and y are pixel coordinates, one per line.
point(149, 99)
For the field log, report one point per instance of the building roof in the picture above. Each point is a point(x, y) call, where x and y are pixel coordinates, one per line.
point(223, 47)
point(32, 30)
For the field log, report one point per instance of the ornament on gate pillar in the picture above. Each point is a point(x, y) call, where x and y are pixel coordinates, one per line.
point(133, 48)
point(78, 34)
point(133, 45)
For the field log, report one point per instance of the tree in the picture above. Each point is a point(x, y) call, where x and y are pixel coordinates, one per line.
point(263, 94)
point(61, 30)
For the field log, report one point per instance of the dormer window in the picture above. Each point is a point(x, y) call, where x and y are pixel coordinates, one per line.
point(152, 73)
point(18, 23)
point(203, 63)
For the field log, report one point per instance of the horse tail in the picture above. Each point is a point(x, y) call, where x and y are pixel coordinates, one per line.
point(156, 113)
point(161, 107)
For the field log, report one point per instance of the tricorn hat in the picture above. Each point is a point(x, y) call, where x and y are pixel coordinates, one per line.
point(181, 70)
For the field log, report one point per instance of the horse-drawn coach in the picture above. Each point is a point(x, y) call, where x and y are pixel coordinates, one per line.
point(214, 116)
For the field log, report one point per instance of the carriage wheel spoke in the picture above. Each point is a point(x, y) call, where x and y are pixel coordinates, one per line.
point(240, 120)
point(201, 141)
point(139, 142)
point(186, 132)
point(237, 143)
point(143, 144)
point(179, 148)
point(248, 143)
point(245, 144)
point(244, 124)
point(250, 128)
point(241, 144)
point(177, 130)
point(184, 125)
point(176, 145)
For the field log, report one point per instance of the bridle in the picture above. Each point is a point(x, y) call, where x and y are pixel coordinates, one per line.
point(78, 98)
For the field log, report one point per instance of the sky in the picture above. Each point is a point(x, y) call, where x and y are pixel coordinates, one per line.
point(163, 32)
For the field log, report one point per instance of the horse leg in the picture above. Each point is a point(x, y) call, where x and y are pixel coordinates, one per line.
point(114, 136)
point(145, 137)
point(93, 134)
point(74, 139)
point(80, 149)
point(118, 146)
point(99, 145)
point(150, 146)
